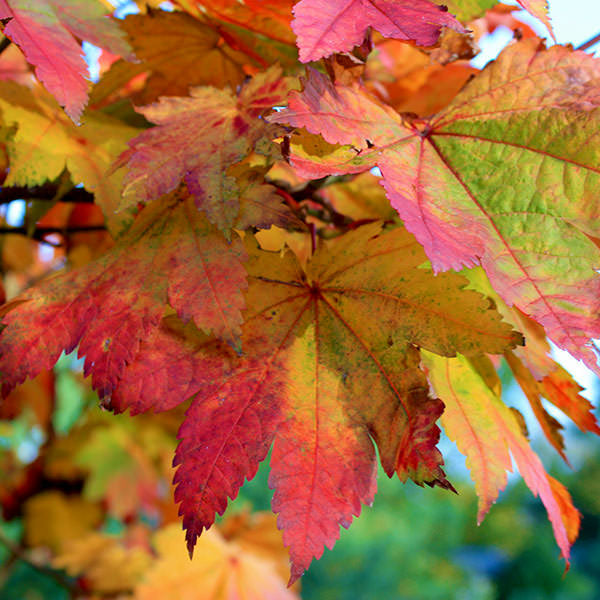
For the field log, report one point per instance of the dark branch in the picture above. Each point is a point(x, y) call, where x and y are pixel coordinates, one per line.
point(48, 230)
point(44, 192)
point(591, 42)
point(39, 233)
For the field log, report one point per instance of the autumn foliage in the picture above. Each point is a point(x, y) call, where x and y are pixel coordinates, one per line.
point(310, 229)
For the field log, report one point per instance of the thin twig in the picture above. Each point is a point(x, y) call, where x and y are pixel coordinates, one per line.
point(39, 233)
point(44, 192)
point(591, 42)
point(313, 238)
point(48, 230)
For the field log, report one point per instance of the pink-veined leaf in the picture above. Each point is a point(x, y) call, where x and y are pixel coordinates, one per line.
point(506, 176)
point(486, 430)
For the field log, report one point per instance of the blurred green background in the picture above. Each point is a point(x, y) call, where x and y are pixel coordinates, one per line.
point(412, 544)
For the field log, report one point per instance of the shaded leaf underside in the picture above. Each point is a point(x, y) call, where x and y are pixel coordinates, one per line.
point(197, 139)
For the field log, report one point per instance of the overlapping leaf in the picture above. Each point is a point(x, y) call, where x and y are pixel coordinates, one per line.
point(325, 366)
point(486, 430)
point(507, 176)
point(46, 30)
point(561, 390)
point(176, 51)
point(539, 9)
point(535, 355)
point(323, 28)
point(171, 254)
point(268, 18)
point(46, 142)
point(197, 139)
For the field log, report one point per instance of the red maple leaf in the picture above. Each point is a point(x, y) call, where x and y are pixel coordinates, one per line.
point(326, 27)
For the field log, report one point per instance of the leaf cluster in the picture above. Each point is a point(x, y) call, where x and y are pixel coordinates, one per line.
point(314, 260)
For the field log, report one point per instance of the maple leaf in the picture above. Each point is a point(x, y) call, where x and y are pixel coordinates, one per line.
point(197, 139)
point(561, 390)
point(505, 177)
point(485, 430)
point(531, 388)
point(46, 30)
point(325, 365)
point(13, 65)
point(261, 205)
point(171, 254)
point(324, 28)
point(53, 519)
point(220, 570)
point(536, 352)
point(119, 468)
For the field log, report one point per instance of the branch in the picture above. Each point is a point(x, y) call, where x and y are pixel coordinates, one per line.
point(40, 232)
point(44, 192)
point(591, 42)
point(47, 230)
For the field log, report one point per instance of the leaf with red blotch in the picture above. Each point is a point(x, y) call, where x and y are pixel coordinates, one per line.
point(325, 366)
point(196, 139)
point(324, 28)
point(486, 430)
point(171, 254)
point(506, 176)
point(45, 30)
